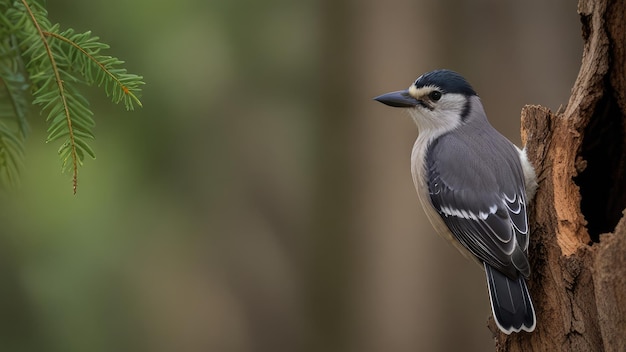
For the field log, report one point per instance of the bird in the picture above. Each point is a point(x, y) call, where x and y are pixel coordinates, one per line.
point(474, 185)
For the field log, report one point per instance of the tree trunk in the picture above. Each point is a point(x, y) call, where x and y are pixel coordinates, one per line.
point(578, 243)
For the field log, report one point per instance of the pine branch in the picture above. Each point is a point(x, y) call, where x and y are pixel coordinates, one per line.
point(14, 103)
point(63, 99)
point(127, 84)
point(11, 155)
point(55, 63)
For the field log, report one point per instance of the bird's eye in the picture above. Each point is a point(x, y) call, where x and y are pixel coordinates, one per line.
point(435, 95)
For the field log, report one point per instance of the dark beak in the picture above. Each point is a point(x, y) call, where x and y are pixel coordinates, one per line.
point(399, 99)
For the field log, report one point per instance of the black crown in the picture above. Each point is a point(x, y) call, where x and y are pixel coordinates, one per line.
point(447, 80)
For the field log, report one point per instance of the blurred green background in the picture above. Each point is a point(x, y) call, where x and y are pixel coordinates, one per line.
point(261, 201)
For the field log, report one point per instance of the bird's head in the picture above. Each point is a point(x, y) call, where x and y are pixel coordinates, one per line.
point(440, 99)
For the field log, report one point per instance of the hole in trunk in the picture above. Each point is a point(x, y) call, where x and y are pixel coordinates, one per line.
point(603, 182)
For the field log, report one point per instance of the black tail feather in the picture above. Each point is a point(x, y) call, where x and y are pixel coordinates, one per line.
point(510, 302)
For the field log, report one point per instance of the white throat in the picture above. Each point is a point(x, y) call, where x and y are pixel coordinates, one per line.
point(445, 115)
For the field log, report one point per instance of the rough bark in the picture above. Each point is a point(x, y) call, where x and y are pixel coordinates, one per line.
point(578, 244)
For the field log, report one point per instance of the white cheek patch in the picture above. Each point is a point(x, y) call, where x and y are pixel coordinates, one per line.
point(419, 93)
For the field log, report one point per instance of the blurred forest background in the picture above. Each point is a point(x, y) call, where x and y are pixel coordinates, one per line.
point(261, 201)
